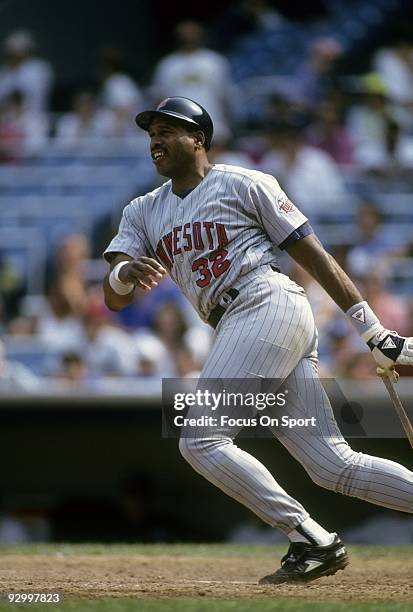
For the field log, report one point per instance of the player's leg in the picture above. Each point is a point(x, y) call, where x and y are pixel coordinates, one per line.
point(313, 552)
point(264, 336)
point(241, 476)
point(328, 458)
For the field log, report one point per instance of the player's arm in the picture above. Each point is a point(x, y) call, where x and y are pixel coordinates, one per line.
point(311, 255)
point(388, 348)
point(127, 273)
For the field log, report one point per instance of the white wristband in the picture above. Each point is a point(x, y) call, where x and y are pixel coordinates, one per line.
point(117, 285)
point(364, 320)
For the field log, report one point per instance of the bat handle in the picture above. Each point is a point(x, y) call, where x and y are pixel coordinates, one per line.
point(398, 406)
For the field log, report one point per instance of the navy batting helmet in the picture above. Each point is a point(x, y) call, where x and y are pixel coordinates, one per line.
point(182, 109)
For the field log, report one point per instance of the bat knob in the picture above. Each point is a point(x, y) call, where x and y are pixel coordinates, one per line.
point(392, 374)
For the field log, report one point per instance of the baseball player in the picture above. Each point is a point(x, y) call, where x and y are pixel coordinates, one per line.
point(215, 229)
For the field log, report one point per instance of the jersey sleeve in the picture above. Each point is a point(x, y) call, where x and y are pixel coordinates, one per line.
point(130, 238)
point(278, 216)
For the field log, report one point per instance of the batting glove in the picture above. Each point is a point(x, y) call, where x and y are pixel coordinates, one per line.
point(387, 347)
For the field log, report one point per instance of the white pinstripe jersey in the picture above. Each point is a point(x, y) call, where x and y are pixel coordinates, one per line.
point(228, 225)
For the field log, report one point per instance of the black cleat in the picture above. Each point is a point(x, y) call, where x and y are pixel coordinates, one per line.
point(305, 562)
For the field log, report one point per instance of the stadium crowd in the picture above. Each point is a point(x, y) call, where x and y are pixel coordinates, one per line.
point(339, 143)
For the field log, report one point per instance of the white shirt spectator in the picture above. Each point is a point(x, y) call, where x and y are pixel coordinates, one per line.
point(229, 157)
point(120, 91)
point(202, 75)
point(368, 131)
point(25, 73)
point(396, 74)
point(199, 342)
point(72, 130)
point(152, 356)
point(111, 352)
point(59, 334)
point(313, 182)
point(33, 79)
point(23, 133)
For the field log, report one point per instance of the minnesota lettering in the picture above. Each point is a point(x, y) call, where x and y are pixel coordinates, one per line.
point(198, 236)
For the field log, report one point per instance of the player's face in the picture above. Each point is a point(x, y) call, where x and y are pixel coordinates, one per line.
point(172, 147)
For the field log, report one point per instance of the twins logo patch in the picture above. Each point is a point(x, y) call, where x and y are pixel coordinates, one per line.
point(284, 204)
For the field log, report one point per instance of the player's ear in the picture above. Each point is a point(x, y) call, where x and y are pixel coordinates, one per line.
point(199, 138)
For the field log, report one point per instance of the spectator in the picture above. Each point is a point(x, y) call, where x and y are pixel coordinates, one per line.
point(198, 73)
point(73, 370)
point(108, 350)
point(86, 126)
point(372, 240)
point(394, 65)
point(170, 352)
point(357, 366)
point(187, 346)
point(338, 343)
point(58, 325)
point(68, 264)
point(185, 363)
point(170, 325)
point(121, 95)
point(315, 77)
point(392, 311)
point(16, 377)
point(298, 168)
point(58, 320)
point(198, 341)
point(225, 152)
point(22, 71)
point(153, 359)
point(380, 147)
point(56, 317)
point(329, 134)
point(23, 132)
point(118, 89)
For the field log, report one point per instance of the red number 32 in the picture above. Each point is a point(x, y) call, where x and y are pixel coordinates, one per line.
point(212, 266)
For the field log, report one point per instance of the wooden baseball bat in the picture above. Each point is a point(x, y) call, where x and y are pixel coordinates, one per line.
point(398, 406)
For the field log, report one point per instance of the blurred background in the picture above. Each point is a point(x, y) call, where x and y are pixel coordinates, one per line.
point(319, 96)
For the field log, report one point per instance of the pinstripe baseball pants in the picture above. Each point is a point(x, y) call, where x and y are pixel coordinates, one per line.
point(269, 332)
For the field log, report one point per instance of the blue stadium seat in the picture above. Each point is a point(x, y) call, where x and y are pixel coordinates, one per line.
point(32, 353)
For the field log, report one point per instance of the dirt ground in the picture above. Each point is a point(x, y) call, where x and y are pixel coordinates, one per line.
point(160, 576)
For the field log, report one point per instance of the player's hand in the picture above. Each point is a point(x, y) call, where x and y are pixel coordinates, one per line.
point(142, 272)
point(389, 349)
